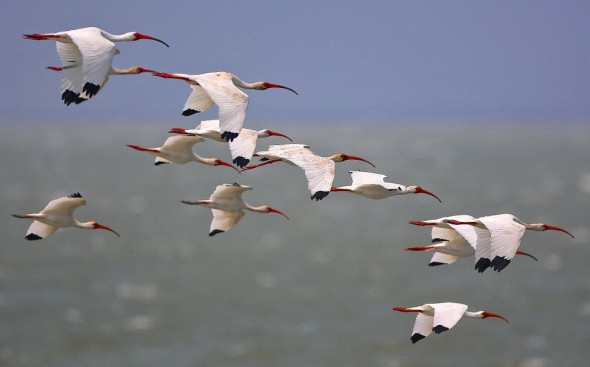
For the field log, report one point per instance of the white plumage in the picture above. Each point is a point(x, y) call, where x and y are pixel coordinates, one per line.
point(58, 213)
point(506, 232)
point(86, 55)
point(373, 186)
point(242, 147)
point(228, 207)
point(179, 149)
point(319, 171)
point(440, 317)
point(223, 89)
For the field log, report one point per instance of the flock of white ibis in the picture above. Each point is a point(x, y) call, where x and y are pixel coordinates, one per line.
point(87, 54)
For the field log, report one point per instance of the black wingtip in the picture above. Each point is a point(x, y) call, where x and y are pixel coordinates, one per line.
point(214, 232)
point(439, 329)
point(159, 163)
point(76, 195)
point(241, 161)
point(189, 112)
point(417, 337)
point(436, 264)
point(319, 195)
point(229, 136)
point(482, 264)
point(33, 237)
point(90, 89)
point(70, 97)
point(499, 263)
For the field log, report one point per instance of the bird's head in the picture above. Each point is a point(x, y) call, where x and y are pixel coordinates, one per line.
point(267, 85)
point(96, 225)
point(265, 133)
point(269, 209)
point(420, 190)
point(486, 314)
point(140, 36)
point(341, 157)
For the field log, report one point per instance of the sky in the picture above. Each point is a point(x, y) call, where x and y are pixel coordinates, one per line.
point(349, 60)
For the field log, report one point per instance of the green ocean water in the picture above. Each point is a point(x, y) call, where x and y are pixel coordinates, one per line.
point(315, 290)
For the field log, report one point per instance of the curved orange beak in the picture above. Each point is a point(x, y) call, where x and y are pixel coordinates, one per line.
point(102, 226)
point(271, 85)
point(489, 314)
point(420, 190)
point(141, 36)
point(518, 252)
point(273, 210)
point(274, 133)
point(346, 157)
point(555, 228)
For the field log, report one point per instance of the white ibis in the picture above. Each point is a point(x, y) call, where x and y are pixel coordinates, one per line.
point(506, 232)
point(373, 186)
point(452, 241)
point(222, 89)
point(59, 213)
point(440, 317)
point(228, 207)
point(242, 148)
point(320, 171)
point(179, 149)
point(86, 55)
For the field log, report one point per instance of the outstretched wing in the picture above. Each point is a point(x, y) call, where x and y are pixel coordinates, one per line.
point(506, 235)
point(422, 327)
point(223, 221)
point(363, 178)
point(72, 79)
point(232, 102)
point(242, 148)
point(38, 231)
point(442, 259)
point(446, 315)
point(197, 101)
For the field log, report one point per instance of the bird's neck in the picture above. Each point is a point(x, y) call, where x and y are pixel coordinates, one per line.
point(207, 161)
point(474, 315)
point(242, 84)
point(85, 225)
point(534, 226)
point(129, 36)
point(258, 209)
point(116, 71)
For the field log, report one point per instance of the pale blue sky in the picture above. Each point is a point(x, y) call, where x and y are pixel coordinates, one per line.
point(369, 60)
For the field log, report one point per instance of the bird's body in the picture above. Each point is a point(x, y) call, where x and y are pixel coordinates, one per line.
point(373, 186)
point(223, 89)
point(451, 241)
point(87, 55)
point(242, 147)
point(319, 171)
point(440, 317)
point(506, 232)
point(58, 213)
point(228, 207)
point(179, 149)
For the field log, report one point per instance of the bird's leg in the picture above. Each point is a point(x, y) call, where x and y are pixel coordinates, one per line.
point(259, 164)
point(41, 37)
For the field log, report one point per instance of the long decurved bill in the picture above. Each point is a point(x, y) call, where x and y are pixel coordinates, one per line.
point(355, 158)
point(423, 191)
point(271, 85)
point(555, 228)
point(489, 314)
point(273, 210)
point(141, 36)
point(518, 252)
point(102, 226)
point(274, 133)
